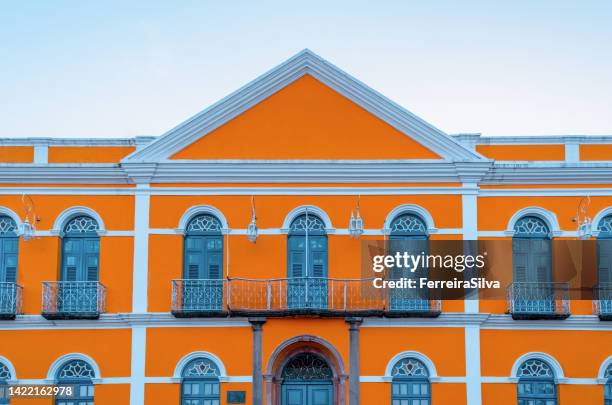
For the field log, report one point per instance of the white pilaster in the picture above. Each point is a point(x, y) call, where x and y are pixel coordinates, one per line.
point(41, 153)
point(469, 205)
point(139, 354)
point(141, 249)
point(572, 152)
point(472, 365)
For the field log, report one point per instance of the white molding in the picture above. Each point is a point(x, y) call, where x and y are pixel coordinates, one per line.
point(435, 380)
point(431, 367)
point(551, 361)
point(140, 263)
point(60, 361)
point(304, 63)
point(202, 209)
point(282, 231)
point(41, 154)
point(11, 368)
point(548, 216)
point(297, 211)
point(413, 209)
point(600, 215)
point(602, 369)
point(71, 212)
point(537, 139)
point(10, 213)
point(178, 370)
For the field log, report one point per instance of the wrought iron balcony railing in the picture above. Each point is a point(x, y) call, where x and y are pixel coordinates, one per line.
point(73, 299)
point(290, 297)
point(10, 300)
point(602, 301)
point(535, 300)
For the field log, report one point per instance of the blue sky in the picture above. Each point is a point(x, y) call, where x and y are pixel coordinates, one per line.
point(117, 68)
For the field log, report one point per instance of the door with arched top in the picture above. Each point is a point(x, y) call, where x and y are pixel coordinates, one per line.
point(307, 379)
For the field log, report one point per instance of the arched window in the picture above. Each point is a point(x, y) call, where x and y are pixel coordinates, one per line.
point(76, 376)
point(9, 245)
point(604, 249)
point(78, 291)
point(532, 291)
point(608, 386)
point(200, 383)
point(5, 375)
point(410, 383)
point(307, 263)
point(203, 264)
point(408, 233)
point(536, 383)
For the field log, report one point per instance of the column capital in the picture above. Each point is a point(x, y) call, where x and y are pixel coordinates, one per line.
point(354, 323)
point(257, 323)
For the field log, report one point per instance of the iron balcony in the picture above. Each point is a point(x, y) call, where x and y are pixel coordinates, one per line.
point(73, 299)
point(308, 296)
point(10, 300)
point(602, 301)
point(538, 300)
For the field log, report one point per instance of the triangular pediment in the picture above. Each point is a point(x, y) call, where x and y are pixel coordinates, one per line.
point(304, 109)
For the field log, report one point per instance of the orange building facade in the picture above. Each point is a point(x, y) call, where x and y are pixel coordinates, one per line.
point(221, 262)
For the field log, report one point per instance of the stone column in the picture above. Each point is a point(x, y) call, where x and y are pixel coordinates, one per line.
point(354, 363)
point(257, 325)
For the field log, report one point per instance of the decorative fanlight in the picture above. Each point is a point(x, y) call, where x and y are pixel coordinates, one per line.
point(28, 228)
point(356, 223)
point(252, 227)
point(585, 225)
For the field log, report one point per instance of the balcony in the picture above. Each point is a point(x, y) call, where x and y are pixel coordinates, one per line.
point(290, 297)
point(602, 301)
point(10, 300)
point(534, 300)
point(73, 299)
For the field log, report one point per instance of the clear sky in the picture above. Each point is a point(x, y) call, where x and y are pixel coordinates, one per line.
point(126, 68)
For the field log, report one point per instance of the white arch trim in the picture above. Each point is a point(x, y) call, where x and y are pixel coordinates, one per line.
point(411, 209)
point(11, 368)
point(312, 209)
point(202, 209)
point(178, 370)
point(57, 364)
point(602, 370)
point(11, 214)
point(431, 368)
point(600, 215)
point(548, 216)
point(71, 212)
point(551, 361)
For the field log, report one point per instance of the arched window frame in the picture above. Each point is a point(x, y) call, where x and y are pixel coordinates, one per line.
point(408, 383)
point(203, 382)
point(60, 363)
point(413, 209)
point(549, 217)
point(209, 248)
point(9, 248)
point(523, 381)
point(603, 232)
point(69, 213)
point(7, 377)
point(87, 245)
point(527, 246)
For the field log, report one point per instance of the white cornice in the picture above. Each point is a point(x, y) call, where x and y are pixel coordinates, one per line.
point(304, 63)
point(76, 141)
point(63, 173)
point(547, 173)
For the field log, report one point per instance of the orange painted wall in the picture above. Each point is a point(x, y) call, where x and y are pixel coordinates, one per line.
point(16, 154)
point(232, 345)
point(325, 124)
point(444, 346)
point(596, 152)
point(88, 154)
point(110, 348)
point(522, 152)
point(578, 359)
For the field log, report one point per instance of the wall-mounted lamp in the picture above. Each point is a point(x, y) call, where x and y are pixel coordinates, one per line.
point(28, 228)
point(356, 223)
point(252, 227)
point(585, 225)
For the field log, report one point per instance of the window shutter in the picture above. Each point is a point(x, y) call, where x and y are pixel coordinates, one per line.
point(296, 265)
point(604, 260)
point(519, 260)
point(9, 248)
point(541, 249)
point(214, 266)
point(192, 270)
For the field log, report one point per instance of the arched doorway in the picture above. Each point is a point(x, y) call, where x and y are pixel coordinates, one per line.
point(285, 370)
point(307, 379)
